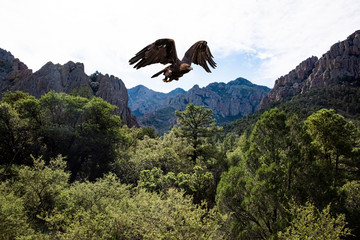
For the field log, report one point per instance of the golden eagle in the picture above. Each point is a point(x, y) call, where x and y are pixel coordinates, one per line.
point(164, 51)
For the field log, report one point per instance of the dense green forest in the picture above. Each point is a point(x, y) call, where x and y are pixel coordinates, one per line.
point(71, 170)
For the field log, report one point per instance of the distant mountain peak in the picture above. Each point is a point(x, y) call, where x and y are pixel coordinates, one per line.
point(176, 91)
point(241, 81)
point(143, 100)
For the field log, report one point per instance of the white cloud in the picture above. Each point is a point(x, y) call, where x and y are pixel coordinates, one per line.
point(105, 34)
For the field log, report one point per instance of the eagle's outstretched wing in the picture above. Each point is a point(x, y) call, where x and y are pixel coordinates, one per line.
point(161, 51)
point(200, 54)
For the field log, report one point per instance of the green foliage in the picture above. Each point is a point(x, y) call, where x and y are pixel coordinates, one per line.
point(351, 205)
point(13, 219)
point(309, 223)
point(83, 91)
point(199, 183)
point(197, 125)
point(84, 130)
point(335, 138)
point(284, 159)
point(32, 196)
point(162, 119)
point(18, 123)
point(144, 216)
point(169, 153)
point(40, 204)
point(352, 195)
point(263, 181)
point(244, 124)
point(342, 97)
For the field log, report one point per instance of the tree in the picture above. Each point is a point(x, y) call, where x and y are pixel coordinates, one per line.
point(30, 199)
point(284, 159)
point(266, 170)
point(335, 138)
point(19, 125)
point(255, 191)
point(41, 188)
point(196, 123)
point(267, 140)
point(40, 203)
point(199, 184)
point(350, 193)
point(84, 130)
point(13, 218)
point(309, 223)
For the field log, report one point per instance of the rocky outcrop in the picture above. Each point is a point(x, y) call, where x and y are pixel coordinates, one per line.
point(339, 65)
point(291, 84)
point(113, 90)
point(6, 63)
point(60, 78)
point(67, 78)
point(341, 61)
point(11, 69)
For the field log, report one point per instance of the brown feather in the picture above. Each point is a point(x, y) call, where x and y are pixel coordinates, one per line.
point(200, 54)
point(161, 51)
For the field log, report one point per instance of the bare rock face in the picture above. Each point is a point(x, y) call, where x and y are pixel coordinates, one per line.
point(291, 84)
point(60, 78)
point(70, 77)
point(6, 63)
point(11, 69)
point(113, 90)
point(342, 61)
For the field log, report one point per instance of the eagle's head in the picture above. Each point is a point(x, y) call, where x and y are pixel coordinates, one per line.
point(185, 68)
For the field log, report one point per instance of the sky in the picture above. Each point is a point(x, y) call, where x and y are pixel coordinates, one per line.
point(260, 40)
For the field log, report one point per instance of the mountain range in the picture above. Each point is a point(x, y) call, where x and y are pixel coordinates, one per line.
point(228, 101)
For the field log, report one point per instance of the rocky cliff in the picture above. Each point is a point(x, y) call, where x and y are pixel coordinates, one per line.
point(68, 78)
point(340, 65)
point(291, 84)
point(341, 61)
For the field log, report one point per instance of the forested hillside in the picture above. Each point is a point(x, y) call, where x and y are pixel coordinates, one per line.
point(70, 169)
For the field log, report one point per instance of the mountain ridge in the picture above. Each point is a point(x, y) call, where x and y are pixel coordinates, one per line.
point(228, 101)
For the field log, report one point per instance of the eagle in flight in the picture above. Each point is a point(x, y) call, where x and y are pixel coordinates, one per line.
point(164, 51)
